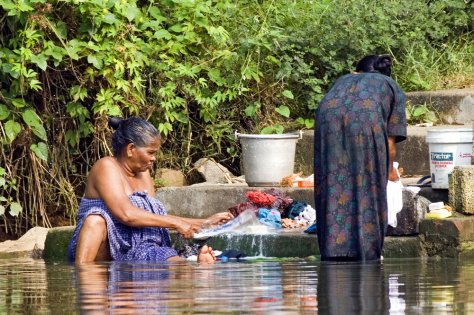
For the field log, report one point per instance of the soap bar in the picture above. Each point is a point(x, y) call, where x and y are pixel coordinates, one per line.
point(439, 214)
point(436, 205)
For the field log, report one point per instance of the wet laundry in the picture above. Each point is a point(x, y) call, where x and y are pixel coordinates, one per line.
point(270, 217)
point(292, 213)
point(246, 222)
point(294, 210)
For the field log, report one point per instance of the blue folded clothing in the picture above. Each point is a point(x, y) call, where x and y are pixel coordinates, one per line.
point(311, 229)
point(270, 217)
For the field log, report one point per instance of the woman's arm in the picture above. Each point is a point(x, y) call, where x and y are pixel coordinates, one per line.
point(215, 219)
point(109, 184)
point(392, 151)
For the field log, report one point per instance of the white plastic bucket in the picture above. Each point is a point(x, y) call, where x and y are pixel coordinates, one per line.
point(266, 159)
point(448, 148)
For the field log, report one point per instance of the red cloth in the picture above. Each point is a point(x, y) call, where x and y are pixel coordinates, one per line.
point(260, 198)
point(282, 201)
point(271, 198)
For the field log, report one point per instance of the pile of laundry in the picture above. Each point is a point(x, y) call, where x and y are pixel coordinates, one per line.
point(275, 209)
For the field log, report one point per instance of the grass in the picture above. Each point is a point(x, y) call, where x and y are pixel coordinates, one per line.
point(445, 66)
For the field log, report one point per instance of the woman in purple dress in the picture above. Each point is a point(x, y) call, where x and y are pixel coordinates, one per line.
point(358, 123)
point(119, 218)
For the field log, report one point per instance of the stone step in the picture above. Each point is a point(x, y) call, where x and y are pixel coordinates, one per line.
point(414, 236)
point(200, 201)
point(454, 107)
point(433, 195)
point(283, 245)
point(204, 200)
point(451, 237)
point(412, 154)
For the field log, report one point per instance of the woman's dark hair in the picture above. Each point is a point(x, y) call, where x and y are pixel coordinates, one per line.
point(371, 63)
point(132, 130)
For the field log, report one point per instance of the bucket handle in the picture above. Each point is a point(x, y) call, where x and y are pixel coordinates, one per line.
point(300, 133)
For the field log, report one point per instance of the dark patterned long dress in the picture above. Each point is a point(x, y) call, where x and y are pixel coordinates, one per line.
point(353, 123)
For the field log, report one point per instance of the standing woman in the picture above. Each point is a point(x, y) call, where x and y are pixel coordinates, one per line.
point(358, 123)
point(119, 217)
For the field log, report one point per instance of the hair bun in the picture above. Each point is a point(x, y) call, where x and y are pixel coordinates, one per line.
point(383, 64)
point(114, 122)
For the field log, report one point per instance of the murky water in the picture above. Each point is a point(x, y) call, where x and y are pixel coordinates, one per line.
point(256, 287)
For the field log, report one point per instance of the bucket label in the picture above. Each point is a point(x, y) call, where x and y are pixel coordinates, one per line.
point(441, 156)
point(463, 155)
point(442, 159)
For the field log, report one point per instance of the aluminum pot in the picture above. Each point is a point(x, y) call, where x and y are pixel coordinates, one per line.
point(266, 159)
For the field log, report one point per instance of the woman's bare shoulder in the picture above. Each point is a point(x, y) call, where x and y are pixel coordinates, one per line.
point(104, 163)
point(104, 169)
point(104, 173)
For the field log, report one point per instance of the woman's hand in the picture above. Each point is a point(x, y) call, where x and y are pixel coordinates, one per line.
point(187, 229)
point(393, 175)
point(219, 218)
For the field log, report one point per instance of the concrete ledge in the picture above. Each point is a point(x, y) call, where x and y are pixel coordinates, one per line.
point(57, 240)
point(199, 201)
point(412, 154)
point(451, 237)
point(403, 247)
point(304, 156)
point(284, 244)
point(448, 237)
point(453, 106)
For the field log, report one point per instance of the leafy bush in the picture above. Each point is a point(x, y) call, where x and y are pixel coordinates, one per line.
point(197, 69)
point(421, 114)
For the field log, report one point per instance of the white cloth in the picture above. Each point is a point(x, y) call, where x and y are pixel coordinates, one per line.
point(307, 216)
point(394, 198)
point(245, 223)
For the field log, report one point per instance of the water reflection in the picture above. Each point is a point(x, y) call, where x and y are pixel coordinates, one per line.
point(353, 288)
point(269, 287)
point(29, 286)
point(183, 288)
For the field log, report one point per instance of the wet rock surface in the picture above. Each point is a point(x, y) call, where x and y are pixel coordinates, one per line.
point(31, 244)
point(461, 189)
point(409, 218)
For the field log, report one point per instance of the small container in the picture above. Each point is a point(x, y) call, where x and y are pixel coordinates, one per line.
point(305, 184)
point(436, 205)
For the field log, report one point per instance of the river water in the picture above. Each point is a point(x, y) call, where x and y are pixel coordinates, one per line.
point(394, 286)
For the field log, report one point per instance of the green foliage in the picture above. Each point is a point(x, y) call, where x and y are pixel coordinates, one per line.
point(198, 70)
point(8, 202)
point(419, 114)
point(278, 129)
point(438, 65)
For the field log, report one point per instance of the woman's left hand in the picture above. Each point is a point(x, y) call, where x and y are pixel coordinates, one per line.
point(393, 175)
point(220, 218)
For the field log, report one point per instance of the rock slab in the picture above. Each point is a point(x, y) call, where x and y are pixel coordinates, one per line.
point(31, 244)
point(170, 178)
point(461, 189)
point(409, 218)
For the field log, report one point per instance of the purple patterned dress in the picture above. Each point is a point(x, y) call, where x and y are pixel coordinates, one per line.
point(353, 123)
point(128, 243)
